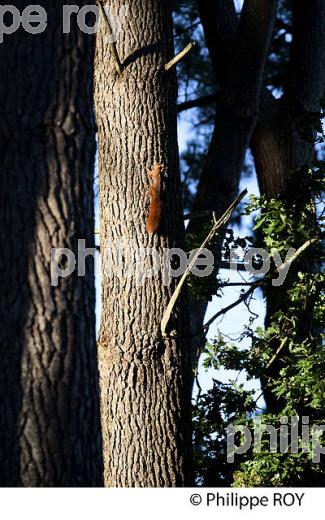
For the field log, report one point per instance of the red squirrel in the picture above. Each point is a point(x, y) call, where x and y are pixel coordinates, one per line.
point(154, 194)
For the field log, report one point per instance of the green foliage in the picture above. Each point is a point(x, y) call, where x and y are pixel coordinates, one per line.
point(286, 221)
point(277, 469)
point(288, 355)
point(219, 406)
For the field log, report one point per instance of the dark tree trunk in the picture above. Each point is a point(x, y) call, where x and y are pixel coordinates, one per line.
point(280, 147)
point(145, 379)
point(276, 133)
point(49, 404)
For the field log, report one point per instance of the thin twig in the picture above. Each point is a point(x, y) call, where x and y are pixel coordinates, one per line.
point(281, 347)
point(235, 284)
point(301, 249)
point(196, 103)
point(223, 311)
point(198, 214)
point(258, 283)
point(118, 64)
point(223, 220)
point(233, 266)
point(179, 56)
point(198, 385)
point(188, 28)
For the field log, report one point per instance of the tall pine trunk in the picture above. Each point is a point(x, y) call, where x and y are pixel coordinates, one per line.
point(49, 418)
point(145, 379)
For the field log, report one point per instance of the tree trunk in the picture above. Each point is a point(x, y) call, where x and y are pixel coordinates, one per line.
point(145, 379)
point(50, 428)
point(278, 146)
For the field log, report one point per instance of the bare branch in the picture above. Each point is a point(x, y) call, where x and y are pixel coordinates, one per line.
point(227, 265)
point(198, 214)
point(221, 222)
point(260, 282)
point(199, 102)
point(235, 284)
point(285, 265)
point(223, 311)
point(179, 56)
point(275, 356)
point(118, 64)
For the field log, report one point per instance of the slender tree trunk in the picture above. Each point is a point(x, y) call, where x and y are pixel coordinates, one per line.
point(145, 379)
point(49, 420)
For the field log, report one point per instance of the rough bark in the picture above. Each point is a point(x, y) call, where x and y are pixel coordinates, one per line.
point(145, 379)
point(49, 420)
